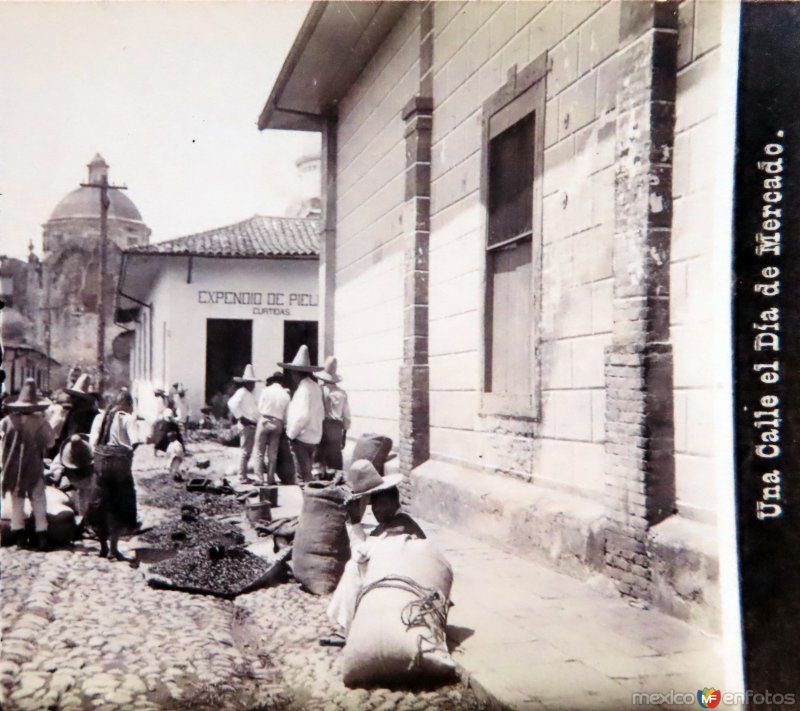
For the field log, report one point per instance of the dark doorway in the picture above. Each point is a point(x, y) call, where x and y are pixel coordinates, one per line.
point(229, 348)
point(297, 333)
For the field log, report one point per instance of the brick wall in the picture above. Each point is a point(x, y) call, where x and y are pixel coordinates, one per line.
point(475, 46)
point(691, 315)
point(371, 165)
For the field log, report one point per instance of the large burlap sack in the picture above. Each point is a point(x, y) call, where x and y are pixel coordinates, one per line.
point(374, 448)
point(398, 634)
point(321, 545)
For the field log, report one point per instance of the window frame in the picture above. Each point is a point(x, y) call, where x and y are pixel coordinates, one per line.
point(523, 94)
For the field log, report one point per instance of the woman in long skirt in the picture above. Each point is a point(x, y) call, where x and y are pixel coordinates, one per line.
point(114, 436)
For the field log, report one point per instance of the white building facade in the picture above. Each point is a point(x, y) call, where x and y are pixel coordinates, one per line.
point(204, 306)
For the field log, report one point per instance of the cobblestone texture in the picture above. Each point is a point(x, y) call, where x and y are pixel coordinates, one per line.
point(80, 632)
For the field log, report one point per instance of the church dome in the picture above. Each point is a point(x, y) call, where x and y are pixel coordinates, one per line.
point(85, 202)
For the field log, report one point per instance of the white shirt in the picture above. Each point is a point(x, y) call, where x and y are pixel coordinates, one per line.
point(124, 432)
point(243, 404)
point(336, 405)
point(273, 401)
point(182, 409)
point(306, 413)
point(160, 406)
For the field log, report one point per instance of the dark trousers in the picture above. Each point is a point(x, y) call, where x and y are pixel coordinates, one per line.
point(303, 457)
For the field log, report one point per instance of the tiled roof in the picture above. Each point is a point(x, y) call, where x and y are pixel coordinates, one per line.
point(260, 236)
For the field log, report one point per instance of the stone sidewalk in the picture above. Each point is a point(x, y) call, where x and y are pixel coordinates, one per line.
point(528, 637)
point(535, 639)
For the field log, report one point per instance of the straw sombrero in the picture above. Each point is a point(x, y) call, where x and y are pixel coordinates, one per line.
point(81, 387)
point(302, 362)
point(76, 453)
point(249, 375)
point(364, 479)
point(328, 373)
point(27, 400)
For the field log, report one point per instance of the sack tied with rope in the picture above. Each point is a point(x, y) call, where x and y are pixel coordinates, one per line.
point(398, 634)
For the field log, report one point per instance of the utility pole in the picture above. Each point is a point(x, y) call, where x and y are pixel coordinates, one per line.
point(105, 201)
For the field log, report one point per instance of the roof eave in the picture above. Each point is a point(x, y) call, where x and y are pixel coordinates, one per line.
point(273, 117)
point(211, 255)
point(358, 38)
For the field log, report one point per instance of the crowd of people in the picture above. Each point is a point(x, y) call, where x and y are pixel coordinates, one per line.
point(73, 438)
point(87, 440)
point(304, 402)
point(91, 448)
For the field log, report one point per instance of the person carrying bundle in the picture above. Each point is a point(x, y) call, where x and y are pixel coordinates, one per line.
point(114, 437)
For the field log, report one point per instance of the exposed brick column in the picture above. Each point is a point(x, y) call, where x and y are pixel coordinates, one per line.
point(414, 445)
point(640, 479)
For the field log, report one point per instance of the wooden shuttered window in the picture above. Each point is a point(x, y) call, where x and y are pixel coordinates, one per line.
point(513, 146)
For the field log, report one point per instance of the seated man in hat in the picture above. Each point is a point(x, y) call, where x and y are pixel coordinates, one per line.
point(25, 436)
point(384, 497)
point(163, 429)
point(244, 408)
point(74, 463)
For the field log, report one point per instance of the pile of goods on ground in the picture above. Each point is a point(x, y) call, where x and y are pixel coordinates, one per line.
point(215, 570)
point(192, 530)
point(164, 493)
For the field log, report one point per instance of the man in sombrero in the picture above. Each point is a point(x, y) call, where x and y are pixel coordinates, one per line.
point(81, 411)
point(366, 486)
point(244, 408)
point(337, 419)
point(305, 413)
point(25, 437)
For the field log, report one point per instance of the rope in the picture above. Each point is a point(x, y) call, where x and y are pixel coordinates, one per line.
point(427, 610)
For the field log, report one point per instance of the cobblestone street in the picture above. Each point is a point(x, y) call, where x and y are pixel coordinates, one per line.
point(80, 632)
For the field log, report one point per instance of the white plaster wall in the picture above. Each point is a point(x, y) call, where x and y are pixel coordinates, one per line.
point(369, 246)
point(179, 349)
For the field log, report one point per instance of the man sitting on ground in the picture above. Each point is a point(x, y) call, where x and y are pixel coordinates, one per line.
point(384, 497)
